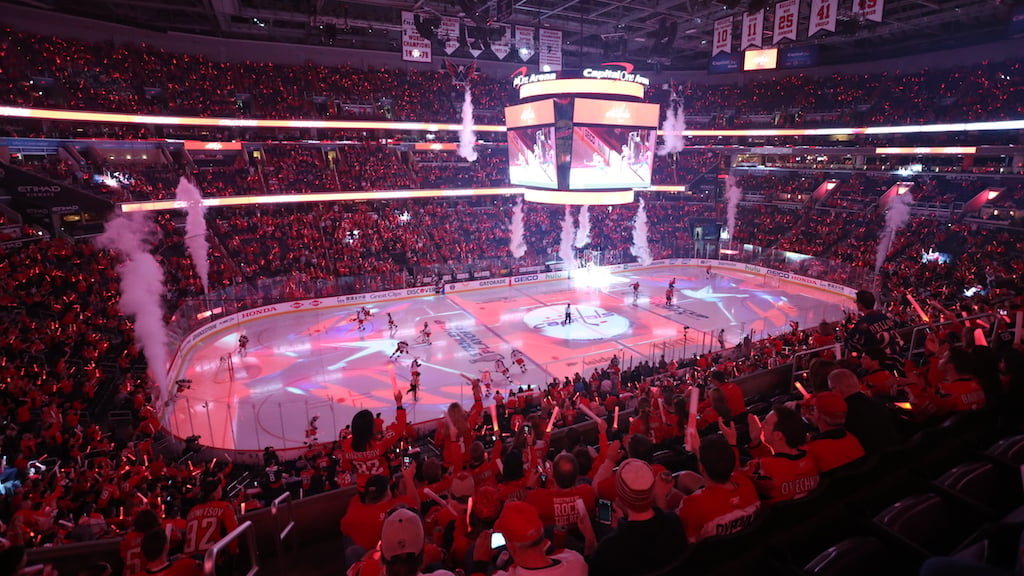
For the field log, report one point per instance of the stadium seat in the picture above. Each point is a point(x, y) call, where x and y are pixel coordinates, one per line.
point(1008, 451)
point(924, 525)
point(982, 486)
point(851, 557)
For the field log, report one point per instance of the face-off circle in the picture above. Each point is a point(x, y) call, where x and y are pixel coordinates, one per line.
point(588, 322)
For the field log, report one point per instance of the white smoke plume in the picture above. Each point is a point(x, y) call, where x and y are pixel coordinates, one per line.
point(467, 136)
point(640, 248)
point(896, 218)
point(583, 232)
point(518, 241)
point(142, 287)
point(195, 230)
point(674, 124)
point(733, 195)
point(565, 249)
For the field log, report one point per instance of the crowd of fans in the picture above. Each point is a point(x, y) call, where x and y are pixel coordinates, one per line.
point(81, 445)
point(43, 71)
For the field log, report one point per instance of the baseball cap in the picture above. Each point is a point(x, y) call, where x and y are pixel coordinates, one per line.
point(634, 484)
point(520, 523)
point(487, 502)
point(828, 404)
point(462, 485)
point(401, 533)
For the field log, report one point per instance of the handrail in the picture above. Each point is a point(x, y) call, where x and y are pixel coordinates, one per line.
point(245, 528)
point(795, 357)
point(917, 329)
point(282, 533)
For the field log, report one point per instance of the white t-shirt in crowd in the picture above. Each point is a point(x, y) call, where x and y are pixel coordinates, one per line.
point(566, 563)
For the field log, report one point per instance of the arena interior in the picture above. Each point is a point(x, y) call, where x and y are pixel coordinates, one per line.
point(590, 287)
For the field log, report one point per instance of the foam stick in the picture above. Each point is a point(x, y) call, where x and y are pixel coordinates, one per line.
point(394, 381)
point(554, 416)
point(440, 501)
point(469, 512)
point(583, 408)
point(494, 419)
point(691, 421)
point(615, 419)
point(979, 338)
point(917, 308)
point(803, 392)
point(1017, 327)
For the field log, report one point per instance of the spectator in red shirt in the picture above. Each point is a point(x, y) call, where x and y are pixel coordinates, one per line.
point(558, 506)
point(832, 446)
point(782, 470)
point(365, 515)
point(727, 503)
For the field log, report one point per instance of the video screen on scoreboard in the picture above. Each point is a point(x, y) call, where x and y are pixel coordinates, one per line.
point(611, 157)
point(766, 59)
point(531, 157)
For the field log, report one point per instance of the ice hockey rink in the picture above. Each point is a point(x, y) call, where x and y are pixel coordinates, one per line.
point(306, 362)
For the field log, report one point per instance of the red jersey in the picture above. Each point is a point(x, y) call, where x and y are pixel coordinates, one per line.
point(370, 462)
point(206, 524)
point(131, 553)
point(781, 477)
point(960, 395)
point(834, 448)
point(363, 522)
point(720, 510)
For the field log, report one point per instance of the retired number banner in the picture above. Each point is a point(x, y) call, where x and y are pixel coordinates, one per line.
point(723, 36)
point(753, 29)
point(823, 16)
point(868, 9)
point(786, 15)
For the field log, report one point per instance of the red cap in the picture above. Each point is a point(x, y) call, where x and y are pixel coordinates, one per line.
point(520, 523)
point(828, 404)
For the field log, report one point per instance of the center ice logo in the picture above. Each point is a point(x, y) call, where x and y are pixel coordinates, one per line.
point(588, 322)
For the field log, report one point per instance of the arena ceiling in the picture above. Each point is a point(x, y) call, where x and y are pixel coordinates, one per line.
point(671, 34)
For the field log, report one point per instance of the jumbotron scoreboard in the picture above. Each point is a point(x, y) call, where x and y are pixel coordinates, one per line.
point(581, 137)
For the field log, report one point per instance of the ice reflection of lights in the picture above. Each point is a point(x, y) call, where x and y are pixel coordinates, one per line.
point(595, 277)
point(295, 390)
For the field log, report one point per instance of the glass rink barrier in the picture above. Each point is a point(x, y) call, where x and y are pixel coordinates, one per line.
point(239, 335)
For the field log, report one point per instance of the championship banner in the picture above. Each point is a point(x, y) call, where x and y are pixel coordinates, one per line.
point(868, 9)
point(723, 36)
point(449, 33)
point(524, 42)
point(414, 47)
point(786, 16)
point(823, 16)
point(550, 55)
point(753, 29)
point(502, 47)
